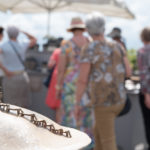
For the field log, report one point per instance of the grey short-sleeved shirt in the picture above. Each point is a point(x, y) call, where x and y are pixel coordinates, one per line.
point(10, 59)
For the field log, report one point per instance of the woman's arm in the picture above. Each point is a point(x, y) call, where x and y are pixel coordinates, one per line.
point(81, 86)
point(82, 80)
point(51, 63)
point(126, 61)
point(53, 59)
point(147, 100)
point(144, 77)
point(61, 72)
point(127, 67)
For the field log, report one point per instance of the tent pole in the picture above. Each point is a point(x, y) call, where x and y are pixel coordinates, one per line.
point(48, 23)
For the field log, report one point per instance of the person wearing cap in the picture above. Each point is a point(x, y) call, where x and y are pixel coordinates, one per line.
point(115, 34)
point(144, 68)
point(68, 70)
point(103, 69)
point(16, 81)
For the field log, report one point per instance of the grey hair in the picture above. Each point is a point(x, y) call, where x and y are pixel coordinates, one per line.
point(95, 23)
point(13, 32)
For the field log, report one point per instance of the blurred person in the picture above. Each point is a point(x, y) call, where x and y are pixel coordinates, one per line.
point(2, 70)
point(68, 70)
point(115, 34)
point(1, 33)
point(51, 100)
point(102, 68)
point(144, 68)
point(1, 66)
point(16, 81)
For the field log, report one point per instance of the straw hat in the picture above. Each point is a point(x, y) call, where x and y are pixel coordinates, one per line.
point(76, 23)
point(116, 32)
point(40, 133)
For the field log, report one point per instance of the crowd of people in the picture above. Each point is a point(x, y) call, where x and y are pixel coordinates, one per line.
point(87, 86)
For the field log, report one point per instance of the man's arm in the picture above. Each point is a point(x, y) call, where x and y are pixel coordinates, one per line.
point(32, 39)
point(7, 73)
point(5, 70)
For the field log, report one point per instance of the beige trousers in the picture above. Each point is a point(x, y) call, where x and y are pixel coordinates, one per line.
point(104, 131)
point(17, 90)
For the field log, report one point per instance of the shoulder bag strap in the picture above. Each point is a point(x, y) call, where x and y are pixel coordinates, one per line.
point(17, 53)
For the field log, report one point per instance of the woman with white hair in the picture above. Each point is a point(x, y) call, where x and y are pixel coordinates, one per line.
point(103, 66)
point(16, 83)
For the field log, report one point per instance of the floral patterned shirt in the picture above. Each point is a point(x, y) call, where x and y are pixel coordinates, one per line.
point(107, 72)
point(144, 68)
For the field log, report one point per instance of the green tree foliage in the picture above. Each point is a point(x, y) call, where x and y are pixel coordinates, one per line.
point(132, 56)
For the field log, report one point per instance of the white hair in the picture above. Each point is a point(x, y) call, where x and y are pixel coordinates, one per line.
point(13, 32)
point(95, 23)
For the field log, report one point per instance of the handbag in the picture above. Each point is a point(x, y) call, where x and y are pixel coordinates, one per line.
point(49, 77)
point(127, 107)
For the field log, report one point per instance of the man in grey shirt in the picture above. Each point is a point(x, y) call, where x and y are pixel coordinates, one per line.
point(15, 82)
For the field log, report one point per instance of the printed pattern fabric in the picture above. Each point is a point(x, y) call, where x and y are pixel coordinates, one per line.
point(86, 120)
point(107, 73)
point(144, 68)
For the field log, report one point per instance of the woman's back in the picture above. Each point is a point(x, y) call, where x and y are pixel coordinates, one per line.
point(107, 72)
point(72, 52)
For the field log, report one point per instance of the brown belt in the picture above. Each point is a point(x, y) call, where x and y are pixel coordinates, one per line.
point(17, 72)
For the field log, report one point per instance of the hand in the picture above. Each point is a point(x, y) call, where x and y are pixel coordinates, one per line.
point(147, 100)
point(9, 73)
point(77, 111)
point(58, 91)
point(58, 94)
point(22, 31)
point(58, 115)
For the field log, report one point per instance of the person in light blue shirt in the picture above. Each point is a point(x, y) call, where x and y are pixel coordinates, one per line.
point(10, 59)
point(16, 81)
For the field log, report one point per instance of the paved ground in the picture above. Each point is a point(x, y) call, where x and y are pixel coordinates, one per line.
point(129, 128)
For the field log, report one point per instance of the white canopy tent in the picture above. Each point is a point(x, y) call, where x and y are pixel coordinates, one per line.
point(107, 7)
